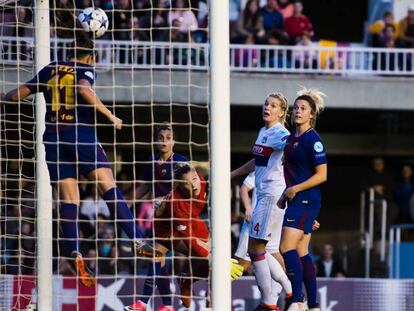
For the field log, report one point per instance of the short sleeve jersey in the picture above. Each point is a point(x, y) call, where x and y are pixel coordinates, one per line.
point(268, 152)
point(302, 154)
point(162, 173)
point(64, 108)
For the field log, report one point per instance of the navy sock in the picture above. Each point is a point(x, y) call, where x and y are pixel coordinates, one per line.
point(121, 213)
point(149, 283)
point(163, 284)
point(309, 278)
point(294, 272)
point(69, 226)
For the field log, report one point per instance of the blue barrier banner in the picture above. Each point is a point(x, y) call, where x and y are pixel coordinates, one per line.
point(112, 294)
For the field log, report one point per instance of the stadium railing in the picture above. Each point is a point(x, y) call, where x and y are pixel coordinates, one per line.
point(315, 59)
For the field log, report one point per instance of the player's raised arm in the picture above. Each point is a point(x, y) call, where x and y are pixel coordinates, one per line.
point(89, 95)
point(16, 95)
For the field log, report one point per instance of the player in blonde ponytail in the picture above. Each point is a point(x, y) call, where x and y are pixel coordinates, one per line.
point(316, 100)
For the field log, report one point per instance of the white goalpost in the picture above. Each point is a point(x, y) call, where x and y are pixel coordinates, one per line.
point(43, 188)
point(149, 72)
point(220, 154)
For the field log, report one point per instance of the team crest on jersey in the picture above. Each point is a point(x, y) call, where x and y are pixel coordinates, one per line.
point(163, 171)
point(89, 74)
point(264, 139)
point(318, 147)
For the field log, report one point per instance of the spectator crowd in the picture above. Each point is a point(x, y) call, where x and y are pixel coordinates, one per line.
point(268, 22)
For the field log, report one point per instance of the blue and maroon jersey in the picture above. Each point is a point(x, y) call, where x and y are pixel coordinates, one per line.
point(65, 109)
point(162, 173)
point(302, 154)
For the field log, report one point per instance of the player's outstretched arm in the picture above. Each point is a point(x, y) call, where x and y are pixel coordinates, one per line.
point(244, 170)
point(88, 94)
point(16, 95)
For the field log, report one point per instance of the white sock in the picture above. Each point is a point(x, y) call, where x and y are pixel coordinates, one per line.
point(278, 274)
point(263, 279)
point(276, 290)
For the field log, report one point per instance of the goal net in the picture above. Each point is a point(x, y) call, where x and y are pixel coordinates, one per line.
point(151, 71)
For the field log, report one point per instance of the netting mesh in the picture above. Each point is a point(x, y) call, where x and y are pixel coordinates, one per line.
point(151, 71)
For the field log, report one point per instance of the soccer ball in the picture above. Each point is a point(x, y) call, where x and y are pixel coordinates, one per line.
point(94, 21)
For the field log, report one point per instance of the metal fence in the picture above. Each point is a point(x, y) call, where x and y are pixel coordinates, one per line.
point(314, 59)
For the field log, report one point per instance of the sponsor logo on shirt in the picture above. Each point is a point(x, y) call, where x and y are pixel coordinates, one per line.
point(262, 150)
point(257, 149)
point(290, 220)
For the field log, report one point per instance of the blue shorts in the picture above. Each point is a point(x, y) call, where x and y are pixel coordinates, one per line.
point(70, 154)
point(300, 217)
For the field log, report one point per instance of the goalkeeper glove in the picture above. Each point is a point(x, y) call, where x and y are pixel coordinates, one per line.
point(236, 269)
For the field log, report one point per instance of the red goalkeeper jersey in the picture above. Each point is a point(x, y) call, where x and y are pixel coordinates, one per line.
point(179, 219)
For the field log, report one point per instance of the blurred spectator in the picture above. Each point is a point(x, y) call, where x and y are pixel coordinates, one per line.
point(285, 8)
point(298, 24)
point(235, 10)
point(91, 259)
point(272, 19)
point(27, 248)
point(329, 266)
point(276, 58)
point(306, 58)
point(187, 22)
point(381, 180)
point(63, 13)
point(402, 194)
point(376, 28)
point(388, 37)
point(251, 22)
point(390, 61)
point(93, 205)
point(122, 20)
point(156, 20)
point(65, 268)
point(144, 218)
point(406, 28)
point(247, 57)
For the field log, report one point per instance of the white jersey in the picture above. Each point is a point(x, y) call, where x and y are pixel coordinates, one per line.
point(268, 152)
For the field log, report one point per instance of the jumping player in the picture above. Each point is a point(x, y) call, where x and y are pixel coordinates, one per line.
point(160, 171)
point(72, 147)
point(305, 169)
point(269, 184)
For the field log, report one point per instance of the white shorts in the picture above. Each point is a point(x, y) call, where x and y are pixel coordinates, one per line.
point(274, 228)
